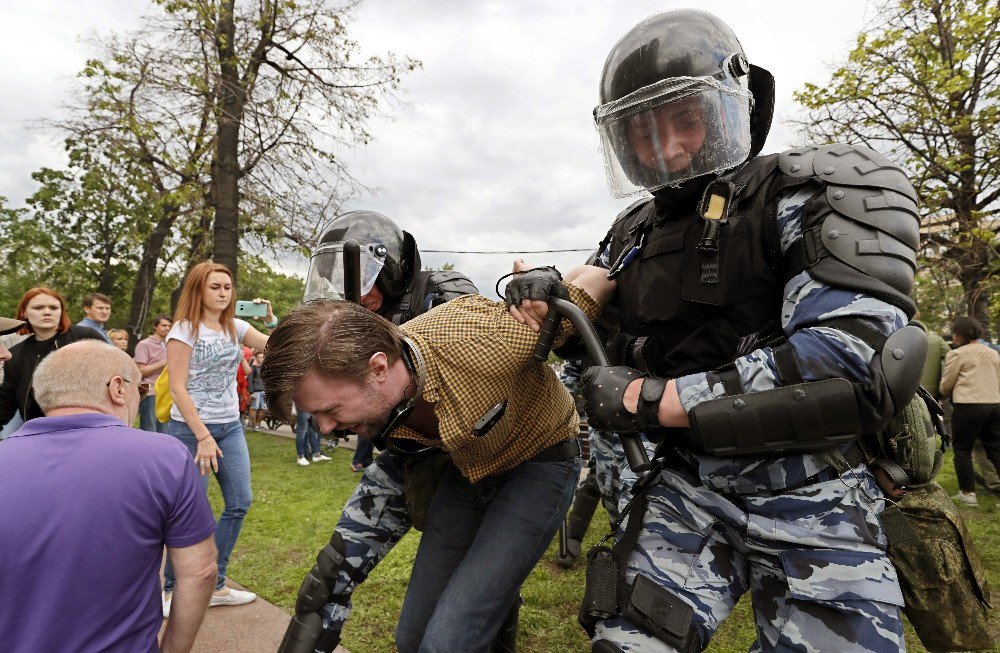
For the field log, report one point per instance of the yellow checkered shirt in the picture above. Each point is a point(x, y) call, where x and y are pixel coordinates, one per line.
point(476, 355)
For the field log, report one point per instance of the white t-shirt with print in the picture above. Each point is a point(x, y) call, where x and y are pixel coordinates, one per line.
point(212, 371)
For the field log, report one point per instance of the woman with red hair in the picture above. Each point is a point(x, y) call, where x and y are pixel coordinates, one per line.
point(48, 328)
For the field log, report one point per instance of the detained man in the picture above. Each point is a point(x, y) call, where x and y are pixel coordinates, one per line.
point(459, 379)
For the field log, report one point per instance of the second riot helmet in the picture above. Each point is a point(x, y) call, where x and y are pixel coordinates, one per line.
point(679, 100)
point(389, 256)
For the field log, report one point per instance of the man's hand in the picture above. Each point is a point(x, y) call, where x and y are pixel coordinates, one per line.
point(612, 395)
point(5, 354)
point(527, 294)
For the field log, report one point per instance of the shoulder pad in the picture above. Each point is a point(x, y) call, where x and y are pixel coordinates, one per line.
point(866, 218)
point(449, 284)
point(846, 165)
point(885, 210)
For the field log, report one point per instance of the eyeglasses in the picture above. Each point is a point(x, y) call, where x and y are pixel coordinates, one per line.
point(143, 387)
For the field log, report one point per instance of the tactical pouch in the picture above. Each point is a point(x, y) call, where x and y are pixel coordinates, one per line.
point(421, 477)
point(600, 598)
point(661, 614)
point(796, 418)
point(945, 593)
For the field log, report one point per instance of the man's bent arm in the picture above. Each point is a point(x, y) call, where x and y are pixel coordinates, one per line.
point(195, 568)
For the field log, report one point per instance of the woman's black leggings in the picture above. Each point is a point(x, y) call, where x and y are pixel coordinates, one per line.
point(971, 422)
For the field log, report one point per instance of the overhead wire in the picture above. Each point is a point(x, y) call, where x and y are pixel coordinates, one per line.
point(520, 251)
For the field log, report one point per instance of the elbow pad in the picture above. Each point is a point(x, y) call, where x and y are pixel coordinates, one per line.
point(792, 419)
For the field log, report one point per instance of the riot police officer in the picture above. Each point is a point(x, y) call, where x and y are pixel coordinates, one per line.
point(392, 282)
point(767, 297)
point(394, 491)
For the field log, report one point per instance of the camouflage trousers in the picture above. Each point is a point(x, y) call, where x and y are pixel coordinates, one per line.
point(375, 518)
point(614, 477)
point(813, 560)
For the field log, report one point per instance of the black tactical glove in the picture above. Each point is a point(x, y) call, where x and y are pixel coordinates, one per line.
point(604, 393)
point(537, 283)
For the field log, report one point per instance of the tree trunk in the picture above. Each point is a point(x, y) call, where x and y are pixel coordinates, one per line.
point(145, 278)
point(196, 254)
point(225, 168)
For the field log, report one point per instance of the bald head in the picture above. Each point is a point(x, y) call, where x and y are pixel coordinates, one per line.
point(89, 375)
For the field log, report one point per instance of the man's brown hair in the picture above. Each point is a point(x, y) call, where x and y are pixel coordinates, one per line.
point(91, 297)
point(333, 338)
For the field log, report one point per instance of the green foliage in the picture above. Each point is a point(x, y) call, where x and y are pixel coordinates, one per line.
point(82, 230)
point(259, 279)
point(922, 85)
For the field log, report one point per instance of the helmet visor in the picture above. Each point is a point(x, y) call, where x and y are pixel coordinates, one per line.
point(674, 130)
point(326, 271)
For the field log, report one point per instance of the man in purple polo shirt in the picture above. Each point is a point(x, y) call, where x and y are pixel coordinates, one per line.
point(86, 506)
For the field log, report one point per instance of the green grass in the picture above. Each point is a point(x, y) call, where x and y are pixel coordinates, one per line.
point(295, 509)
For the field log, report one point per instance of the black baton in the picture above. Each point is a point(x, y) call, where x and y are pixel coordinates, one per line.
point(635, 453)
point(352, 271)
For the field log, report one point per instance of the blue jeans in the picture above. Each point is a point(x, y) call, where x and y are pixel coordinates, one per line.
point(305, 437)
point(364, 452)
point(234, 481)
point(479, 544)
point(147, 416)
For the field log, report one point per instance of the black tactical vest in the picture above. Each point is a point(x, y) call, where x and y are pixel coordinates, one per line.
point(427, 289)
point(688, 307)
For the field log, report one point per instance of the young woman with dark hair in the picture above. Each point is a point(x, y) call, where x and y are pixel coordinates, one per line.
point(971, 379)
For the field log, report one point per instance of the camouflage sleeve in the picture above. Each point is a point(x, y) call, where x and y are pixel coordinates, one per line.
point(570, 376)
point(375, 518)
point(822, 352)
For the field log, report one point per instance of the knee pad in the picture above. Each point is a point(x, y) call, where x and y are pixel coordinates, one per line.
point(314, 592)
point(604, 646)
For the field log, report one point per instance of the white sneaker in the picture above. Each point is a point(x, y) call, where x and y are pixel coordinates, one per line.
point(165, 600)
point(319, 456)
point(302, 461)
point(230, 596)
point(968, 498)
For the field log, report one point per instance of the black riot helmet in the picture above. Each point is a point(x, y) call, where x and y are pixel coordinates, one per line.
point(389, 256)
point(679, 100)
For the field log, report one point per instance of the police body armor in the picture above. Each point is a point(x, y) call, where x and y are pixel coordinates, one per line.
point(427, 289)
point(703, 291)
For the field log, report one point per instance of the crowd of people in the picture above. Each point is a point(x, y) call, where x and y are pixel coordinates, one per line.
point(745, 314)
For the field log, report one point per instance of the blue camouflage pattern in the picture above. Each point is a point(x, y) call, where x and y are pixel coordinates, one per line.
point(812, 557)
point(375, 518)
point(813, 560)
point(607, 456)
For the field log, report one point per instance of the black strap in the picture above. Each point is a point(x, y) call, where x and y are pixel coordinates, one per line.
point(730, 380)
point(636, 510)
point(859, 329)
point(806, 251)
point(412, 303)
point(788, 364)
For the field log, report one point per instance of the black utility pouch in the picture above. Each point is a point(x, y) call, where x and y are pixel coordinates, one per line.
point(600, 598)
point(660, 613)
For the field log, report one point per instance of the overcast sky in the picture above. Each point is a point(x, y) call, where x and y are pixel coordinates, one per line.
point(495, 149)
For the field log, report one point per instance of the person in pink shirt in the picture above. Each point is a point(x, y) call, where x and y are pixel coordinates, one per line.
point(151, 357)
